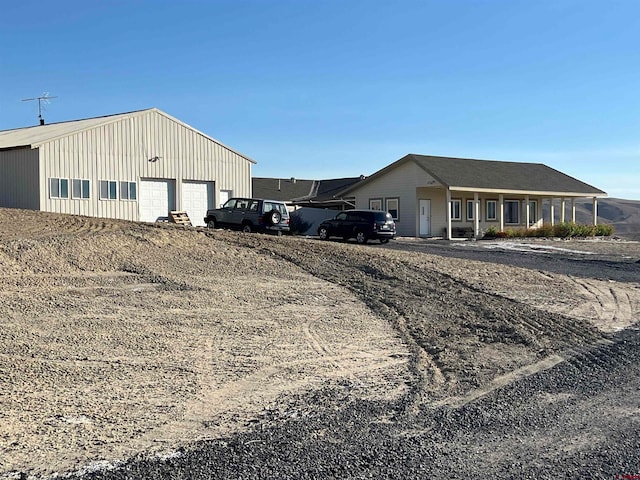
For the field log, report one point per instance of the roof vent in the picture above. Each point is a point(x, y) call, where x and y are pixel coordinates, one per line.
point(293, 179)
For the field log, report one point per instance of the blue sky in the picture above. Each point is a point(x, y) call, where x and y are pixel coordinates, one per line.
point(335, 88)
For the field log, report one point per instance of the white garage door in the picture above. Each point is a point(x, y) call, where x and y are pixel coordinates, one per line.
point(157, 197)
point(197, 197)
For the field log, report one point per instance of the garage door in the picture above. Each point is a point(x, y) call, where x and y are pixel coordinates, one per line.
point(197, 198)
point(157, 197)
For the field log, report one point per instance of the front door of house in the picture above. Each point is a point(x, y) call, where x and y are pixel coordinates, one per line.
point(425, 218)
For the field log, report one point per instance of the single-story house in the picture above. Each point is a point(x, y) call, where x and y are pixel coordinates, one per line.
point(432, 196)
point(306, 193)
point(133, 166)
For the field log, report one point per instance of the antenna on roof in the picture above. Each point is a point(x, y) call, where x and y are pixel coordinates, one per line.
point(42, 99)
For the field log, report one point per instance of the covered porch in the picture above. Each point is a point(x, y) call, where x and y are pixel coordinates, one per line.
point(470, 212)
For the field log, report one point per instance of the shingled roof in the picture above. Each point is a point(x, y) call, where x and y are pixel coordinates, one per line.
point(293, 190)
point(466, 174)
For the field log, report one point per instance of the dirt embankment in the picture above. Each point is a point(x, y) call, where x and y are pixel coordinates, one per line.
point(119, 338)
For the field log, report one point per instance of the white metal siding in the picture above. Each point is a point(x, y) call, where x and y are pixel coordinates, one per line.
point(197, 197)
point(19, 178)
point(148, 145)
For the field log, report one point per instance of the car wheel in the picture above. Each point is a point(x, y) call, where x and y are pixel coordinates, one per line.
point(361, 237)
point(323, 233)
point(384, 240)
point(273, 217)
point(246, 228)
point(211, 224)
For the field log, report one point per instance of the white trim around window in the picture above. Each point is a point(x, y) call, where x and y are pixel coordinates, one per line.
point(393, 207)
point(108, 190)
point(456, 209)
point(491, 210)
point(533, 212)
point(128, 191)
point(470, 210)
point(80, 189)
point(375, 204)
point(58, 188)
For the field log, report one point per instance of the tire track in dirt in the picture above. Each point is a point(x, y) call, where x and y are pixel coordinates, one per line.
point(612, 307)
point(359, 277)
point(443, 319)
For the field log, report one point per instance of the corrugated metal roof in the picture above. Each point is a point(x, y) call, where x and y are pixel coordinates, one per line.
point(39, 134)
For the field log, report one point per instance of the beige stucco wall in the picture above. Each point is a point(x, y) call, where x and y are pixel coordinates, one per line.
point(122, 150)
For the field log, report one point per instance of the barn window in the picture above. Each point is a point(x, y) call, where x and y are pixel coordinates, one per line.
point(58, 188)
point(108, 190)
point(80, 188)
point(128, 190)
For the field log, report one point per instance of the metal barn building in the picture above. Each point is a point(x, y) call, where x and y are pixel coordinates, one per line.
point(133, 166)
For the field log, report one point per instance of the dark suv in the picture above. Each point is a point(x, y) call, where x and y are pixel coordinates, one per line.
point(359, 224)
point(250, 214)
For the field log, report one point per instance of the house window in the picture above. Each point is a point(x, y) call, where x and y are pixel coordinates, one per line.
point(456, 209)
point(511, 212)
point(127, 190)
point(80, 188)
point(375, 204)
point(470, 209)
point(108, 190)
point(491, 209)
point(393, 207)
point(58, 188)
point(533, 212)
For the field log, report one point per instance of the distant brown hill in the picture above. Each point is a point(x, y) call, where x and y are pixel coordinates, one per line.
point(623, 214)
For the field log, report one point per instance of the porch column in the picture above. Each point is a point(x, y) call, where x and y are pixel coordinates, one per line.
point(501, 209)
point(562, 210)
point(573, 210)
point(595, 210)
point(476, 215)
point(552, 212)
point(449, 237)
point(527, 210)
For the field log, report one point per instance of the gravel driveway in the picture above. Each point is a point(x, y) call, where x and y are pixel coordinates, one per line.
point(140, 351)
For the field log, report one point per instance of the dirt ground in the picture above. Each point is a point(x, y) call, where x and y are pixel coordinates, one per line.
point(119, 338)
